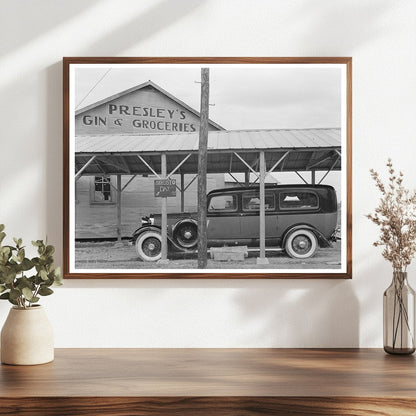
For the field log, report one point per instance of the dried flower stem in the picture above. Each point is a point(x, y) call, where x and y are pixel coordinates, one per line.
point(396, 217)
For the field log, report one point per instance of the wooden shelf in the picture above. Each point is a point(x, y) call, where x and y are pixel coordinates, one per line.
point(212, 382)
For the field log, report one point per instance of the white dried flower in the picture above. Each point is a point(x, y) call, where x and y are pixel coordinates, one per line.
point(396, 217)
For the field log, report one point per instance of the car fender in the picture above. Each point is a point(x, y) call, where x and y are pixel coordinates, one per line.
point(144, 228)
point(322, 241)
point(156, 228)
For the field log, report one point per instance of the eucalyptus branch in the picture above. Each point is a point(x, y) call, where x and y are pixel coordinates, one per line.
point(16, 284)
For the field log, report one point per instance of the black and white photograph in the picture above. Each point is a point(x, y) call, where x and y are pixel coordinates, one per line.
point(207, 169)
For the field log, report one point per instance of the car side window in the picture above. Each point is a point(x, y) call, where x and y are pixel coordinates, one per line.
point(251, 201)
point(298, 200)
point(222, 203)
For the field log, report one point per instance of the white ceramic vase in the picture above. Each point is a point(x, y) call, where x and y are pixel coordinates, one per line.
point(27, 337)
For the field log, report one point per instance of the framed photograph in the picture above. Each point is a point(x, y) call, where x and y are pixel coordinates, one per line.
point(207, 168)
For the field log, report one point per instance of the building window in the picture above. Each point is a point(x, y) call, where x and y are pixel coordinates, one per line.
point(102, 190)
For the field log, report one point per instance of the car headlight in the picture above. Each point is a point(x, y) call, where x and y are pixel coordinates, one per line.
point(148, 220)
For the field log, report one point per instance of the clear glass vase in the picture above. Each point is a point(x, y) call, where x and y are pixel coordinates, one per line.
point(399, 316)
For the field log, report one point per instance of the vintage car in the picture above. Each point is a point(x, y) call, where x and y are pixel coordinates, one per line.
point(299, 218)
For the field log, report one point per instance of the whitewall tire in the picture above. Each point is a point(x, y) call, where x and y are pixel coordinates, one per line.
point(301, 244)
point(149, 246)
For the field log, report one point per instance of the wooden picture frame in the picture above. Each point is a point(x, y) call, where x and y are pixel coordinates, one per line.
point(105, 130)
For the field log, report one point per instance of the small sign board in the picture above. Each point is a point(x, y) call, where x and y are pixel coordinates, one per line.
point(165, 188)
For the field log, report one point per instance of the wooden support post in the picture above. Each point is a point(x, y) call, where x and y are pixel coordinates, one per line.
point(247, 178)
point(313, 177)
point(164, 222)
point(182, 192)
point(119, 208)
point(202, 170)
point(262, 259)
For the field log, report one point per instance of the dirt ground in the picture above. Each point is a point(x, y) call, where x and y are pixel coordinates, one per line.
point(108, 255)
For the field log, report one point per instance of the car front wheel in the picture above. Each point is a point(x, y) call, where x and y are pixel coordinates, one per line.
point(149, 246)
point(301, 244)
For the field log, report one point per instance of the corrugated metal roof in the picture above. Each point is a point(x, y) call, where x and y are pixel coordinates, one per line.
point(218, 141)
point(316, 149)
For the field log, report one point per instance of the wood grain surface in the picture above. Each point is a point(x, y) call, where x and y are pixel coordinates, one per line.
point(212, 381)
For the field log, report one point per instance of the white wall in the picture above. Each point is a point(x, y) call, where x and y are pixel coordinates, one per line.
point(380, 35)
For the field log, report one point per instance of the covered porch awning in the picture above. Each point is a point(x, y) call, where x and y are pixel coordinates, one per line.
point(228, 151)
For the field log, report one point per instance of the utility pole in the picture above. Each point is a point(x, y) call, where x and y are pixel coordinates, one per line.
point(202, 170)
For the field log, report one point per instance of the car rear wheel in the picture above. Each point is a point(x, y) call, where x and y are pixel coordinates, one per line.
point(149, 246)
point(301, 244)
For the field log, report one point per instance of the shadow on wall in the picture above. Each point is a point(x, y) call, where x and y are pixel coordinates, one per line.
point(337, 18)
point(157, 18)
point(38, 15)
point(300, 313)
point(147, 24)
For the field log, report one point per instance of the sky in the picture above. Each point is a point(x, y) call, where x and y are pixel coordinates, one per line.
point(241, 98)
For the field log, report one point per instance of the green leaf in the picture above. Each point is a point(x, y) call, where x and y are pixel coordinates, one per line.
point(18, 242)
point(15, 294)
point(2, 227)
point(43, 274)
point(38, 280)
point(7, 297)
point(11, 248)
point(49, 250)
point(13, 302)
point(26, 264)
point(5, 250)
point(28, 294)
point(45, 291)
point(9, 277)
point(24, 282)
point(21, 255)
point(58, 280)
point(2, 288)
point(2, 236)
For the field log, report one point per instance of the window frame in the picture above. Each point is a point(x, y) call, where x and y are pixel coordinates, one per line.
point(314, 208)
point(112, 191)
point(257, 194)
point(226, 211)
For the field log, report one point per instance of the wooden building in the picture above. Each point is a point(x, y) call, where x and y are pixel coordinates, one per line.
point(144, 109)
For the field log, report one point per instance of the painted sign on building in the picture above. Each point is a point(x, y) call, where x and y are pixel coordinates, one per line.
point(145, 109)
